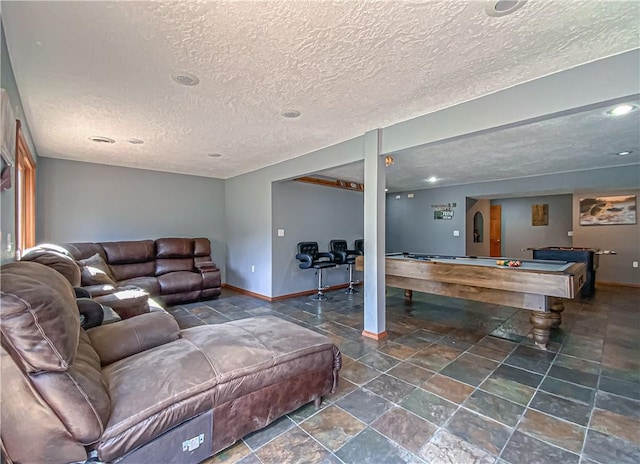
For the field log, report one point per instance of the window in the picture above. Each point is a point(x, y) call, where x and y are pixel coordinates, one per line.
point(25, 195)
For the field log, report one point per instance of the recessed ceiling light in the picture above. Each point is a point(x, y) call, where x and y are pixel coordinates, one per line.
point(135, 141)
point(432, 179)
point(214, 155)
point(624, 153)
point(100, 139)
point(185, 78)
point(621, 110)
point(503, 7)
point(291, 114)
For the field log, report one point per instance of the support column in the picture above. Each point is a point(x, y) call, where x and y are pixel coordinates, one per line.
point(374, 237)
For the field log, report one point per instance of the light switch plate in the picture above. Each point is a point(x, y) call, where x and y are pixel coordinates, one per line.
point(280, 232)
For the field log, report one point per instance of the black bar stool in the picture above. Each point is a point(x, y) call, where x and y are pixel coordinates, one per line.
point(311, 258)
point(344, 256)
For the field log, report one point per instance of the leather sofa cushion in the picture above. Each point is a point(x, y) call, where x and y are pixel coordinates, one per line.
point(201, 247)
point(179, 282)
point(176, 380)
point(129, 271)
point(94, 271)
point(84, 250)
point(40, 319)
point(148, 284)
point(174, 248)
point(139, 251)
point(164, 266)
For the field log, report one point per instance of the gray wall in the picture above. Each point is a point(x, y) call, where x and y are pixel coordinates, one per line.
point(518, 233)
point(7, 200)
point(249, 214)
point(623, 239)
point(411, 227)
point(311, 213)
point(79, 202)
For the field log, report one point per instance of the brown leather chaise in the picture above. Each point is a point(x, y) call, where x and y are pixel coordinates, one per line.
point(141, 390)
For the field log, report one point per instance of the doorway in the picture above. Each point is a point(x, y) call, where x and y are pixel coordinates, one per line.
point(495, 231)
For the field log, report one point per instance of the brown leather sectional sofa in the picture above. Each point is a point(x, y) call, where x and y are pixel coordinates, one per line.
point(176, 270)
point(141, 390)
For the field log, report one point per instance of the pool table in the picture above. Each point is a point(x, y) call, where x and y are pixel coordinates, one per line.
point(588, 256)
point(537, 285)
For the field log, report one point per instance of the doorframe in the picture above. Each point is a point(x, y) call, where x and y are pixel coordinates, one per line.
point(492, 237)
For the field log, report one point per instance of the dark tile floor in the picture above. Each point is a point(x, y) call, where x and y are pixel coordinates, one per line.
point(457, 382)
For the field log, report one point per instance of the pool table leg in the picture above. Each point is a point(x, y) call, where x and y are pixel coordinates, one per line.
point(556, 308)
point(542, 323)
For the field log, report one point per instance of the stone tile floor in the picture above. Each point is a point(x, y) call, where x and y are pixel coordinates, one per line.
point(456, 382)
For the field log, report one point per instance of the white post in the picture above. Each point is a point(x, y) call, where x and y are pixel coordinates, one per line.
point(374, 237)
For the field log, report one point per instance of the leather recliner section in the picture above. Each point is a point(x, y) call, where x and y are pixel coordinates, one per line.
point(175, 269)
point(119, 387)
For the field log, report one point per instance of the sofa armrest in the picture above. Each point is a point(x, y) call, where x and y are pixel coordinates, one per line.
point(125, 338)
point(340, 257)
point(99, 290)
point(206, 266)
point(306, 260)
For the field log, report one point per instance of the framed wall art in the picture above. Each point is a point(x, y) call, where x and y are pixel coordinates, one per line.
point(540, 215)
point(597, 211)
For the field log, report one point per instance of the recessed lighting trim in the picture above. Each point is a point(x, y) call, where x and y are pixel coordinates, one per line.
point(290, 114)
point(432, 179)
point(214, 155)
point(621, 110)
point(503, 7)
point(185, 78)
point(624, 153)
point(135, 141)
point(101, 139)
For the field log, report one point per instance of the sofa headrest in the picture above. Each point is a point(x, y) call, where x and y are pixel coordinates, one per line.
point(84, 250)
point(202, 247)
point(174, 248)
point(57, 258)
point(39, 318)
point(129, 252)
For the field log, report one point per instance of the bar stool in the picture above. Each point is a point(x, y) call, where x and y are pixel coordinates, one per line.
point(344, 256)
point(311, 258)
point(359, 246)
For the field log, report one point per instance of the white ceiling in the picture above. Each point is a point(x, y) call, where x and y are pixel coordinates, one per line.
point(580, 141)
point(104, 68)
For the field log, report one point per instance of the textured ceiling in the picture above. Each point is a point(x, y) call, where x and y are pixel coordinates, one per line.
point(581, 141)
point(104, 68)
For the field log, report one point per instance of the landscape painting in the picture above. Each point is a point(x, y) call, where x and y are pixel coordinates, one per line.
point(608, 210)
